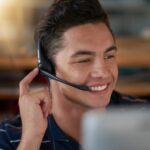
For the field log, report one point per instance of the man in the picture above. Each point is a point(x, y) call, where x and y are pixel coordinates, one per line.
point(76, 38)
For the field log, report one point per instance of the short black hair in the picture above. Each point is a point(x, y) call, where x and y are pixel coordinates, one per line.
point(61, 16)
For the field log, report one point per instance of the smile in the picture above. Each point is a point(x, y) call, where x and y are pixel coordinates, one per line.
point(98, 88)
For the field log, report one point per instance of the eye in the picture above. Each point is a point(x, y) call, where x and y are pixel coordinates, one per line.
point(84, 61)
point(109, 57)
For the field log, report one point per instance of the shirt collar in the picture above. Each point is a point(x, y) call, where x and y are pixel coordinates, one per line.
point(56, 133)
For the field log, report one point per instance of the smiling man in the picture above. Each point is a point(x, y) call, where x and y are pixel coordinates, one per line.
point(89, 58)
point(76, 39)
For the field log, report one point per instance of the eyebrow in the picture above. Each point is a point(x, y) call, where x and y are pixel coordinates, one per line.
point(86, 52)
point(112, 48)
point(83, 52)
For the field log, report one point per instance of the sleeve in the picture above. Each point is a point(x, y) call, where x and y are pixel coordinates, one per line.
point(4, 140)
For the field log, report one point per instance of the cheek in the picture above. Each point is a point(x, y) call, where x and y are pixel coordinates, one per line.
point(112, 67)
point(114, 70)
point(79, 74)
point(74, 73)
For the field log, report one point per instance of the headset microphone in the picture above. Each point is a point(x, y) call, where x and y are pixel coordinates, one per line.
point(46, 68)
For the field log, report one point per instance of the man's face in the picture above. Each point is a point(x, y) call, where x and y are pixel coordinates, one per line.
point(89, 58)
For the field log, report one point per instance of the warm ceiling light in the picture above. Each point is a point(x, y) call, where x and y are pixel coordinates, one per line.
point(7, 2)
point(3, 2)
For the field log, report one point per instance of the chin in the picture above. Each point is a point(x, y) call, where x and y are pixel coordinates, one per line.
point(95, 102)
point(100, 104)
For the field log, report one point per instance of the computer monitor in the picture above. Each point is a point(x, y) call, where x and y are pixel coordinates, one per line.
point(126, 129)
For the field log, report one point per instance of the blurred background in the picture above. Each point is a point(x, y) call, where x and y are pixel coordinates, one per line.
point(130, 22)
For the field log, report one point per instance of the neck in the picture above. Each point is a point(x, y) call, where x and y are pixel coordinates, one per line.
point(69, 119)
point(67, 114)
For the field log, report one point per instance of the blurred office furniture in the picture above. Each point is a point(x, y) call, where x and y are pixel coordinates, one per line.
point(132, 53)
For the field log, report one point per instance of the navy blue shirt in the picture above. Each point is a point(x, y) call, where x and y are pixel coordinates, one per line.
point(54, 138)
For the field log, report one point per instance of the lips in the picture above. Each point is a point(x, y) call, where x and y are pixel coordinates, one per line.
point(98, 87)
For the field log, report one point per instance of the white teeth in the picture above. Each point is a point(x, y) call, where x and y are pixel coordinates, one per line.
point(98, 88)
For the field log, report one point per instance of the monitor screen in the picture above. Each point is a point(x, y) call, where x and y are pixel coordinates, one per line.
point(127, 129)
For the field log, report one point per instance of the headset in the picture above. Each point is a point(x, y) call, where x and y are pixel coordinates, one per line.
point(47, 69)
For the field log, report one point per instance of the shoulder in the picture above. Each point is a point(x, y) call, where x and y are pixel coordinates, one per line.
point(10, 133)
point(122, 99)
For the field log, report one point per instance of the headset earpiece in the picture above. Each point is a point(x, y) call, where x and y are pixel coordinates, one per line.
point(43, 62)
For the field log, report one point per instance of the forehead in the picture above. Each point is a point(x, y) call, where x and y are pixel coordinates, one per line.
point(88, 36)
point(95, 38)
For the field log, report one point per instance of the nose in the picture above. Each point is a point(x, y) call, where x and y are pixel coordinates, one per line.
point(100, 70)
